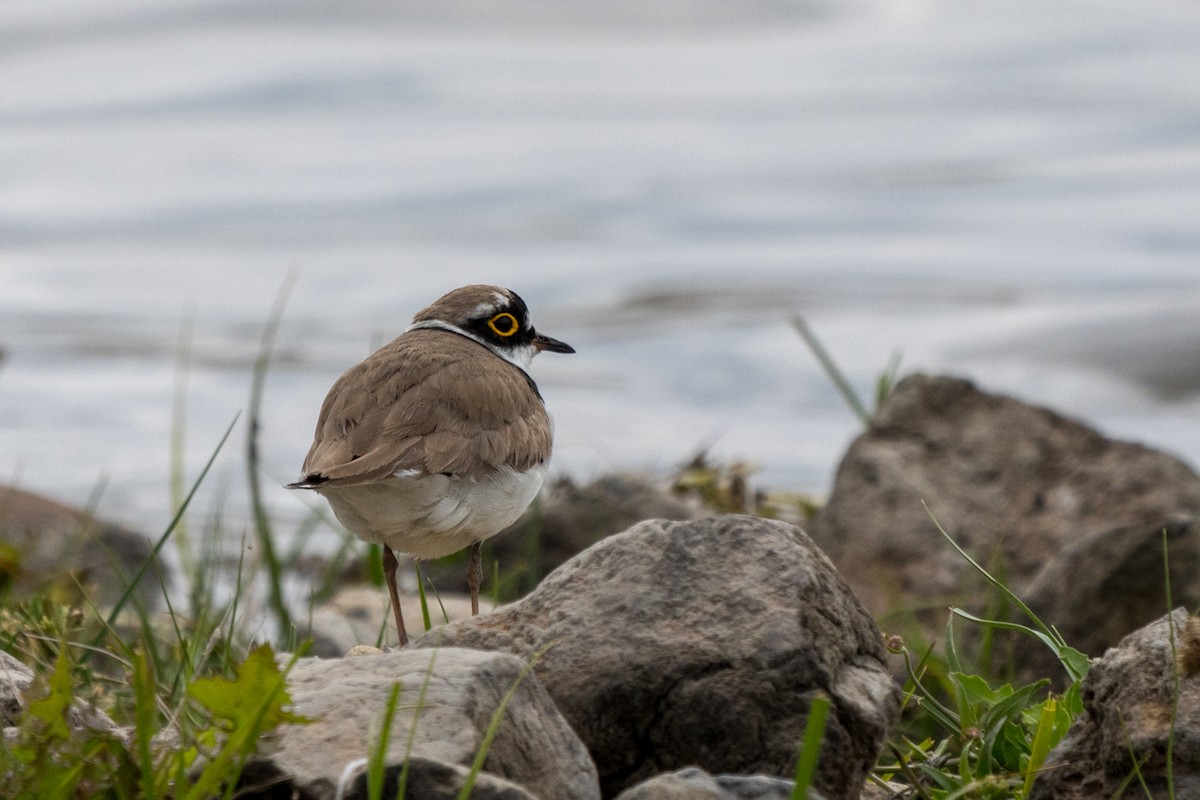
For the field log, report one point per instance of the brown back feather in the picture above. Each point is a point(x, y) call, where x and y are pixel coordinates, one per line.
point(476, 413)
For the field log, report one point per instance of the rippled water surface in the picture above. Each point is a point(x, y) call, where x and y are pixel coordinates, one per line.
point(1007, 191)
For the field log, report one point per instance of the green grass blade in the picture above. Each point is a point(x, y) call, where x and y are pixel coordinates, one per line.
point(234, 604)
point(810, 746)
point(146, 716)
point(402, 784)
point(925, 698)
point(178, 448)
point(1135, 768)
point(158, 546)
point(1075, 663)
point(1170, 756)
point(421, 595)
point(494, 726)
point(377, 764)
point(887, 380)
point(832, 370)
point(262, 521)
point(375, 564)
point(1052, 725)
point(994, 581)
point(953, 662)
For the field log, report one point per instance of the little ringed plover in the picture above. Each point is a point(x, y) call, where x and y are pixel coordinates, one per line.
point(439, 439)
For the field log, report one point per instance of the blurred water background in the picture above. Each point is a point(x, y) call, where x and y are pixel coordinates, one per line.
point(1008, 191)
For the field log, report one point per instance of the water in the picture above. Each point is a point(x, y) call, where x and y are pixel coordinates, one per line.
point(1006, 191)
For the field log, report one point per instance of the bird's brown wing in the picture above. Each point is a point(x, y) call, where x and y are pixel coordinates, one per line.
point(430, 401)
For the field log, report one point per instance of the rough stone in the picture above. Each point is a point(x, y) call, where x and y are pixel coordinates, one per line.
point(356, 614)
point(1107, 584)
point(16, 680)
point(1023, 489)
point(426, 779)
point(1128, 696)
point(533, 747)
point(48, 539)
point(694, 783)
point(701, 643)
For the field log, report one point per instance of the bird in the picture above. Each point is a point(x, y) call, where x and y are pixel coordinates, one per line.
point(440, 439)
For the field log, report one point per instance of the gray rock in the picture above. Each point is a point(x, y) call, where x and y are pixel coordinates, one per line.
point(1025, 490)
point(356, 614)
point(1107, 584)
point(534, 747)
point(16, 680)
point(435, 780)
point(1127, 698)
point(701, 643)
point(51, 539)
point(694, 783)
point(426, 779)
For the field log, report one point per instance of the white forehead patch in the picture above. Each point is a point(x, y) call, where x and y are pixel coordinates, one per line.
point(499, 301)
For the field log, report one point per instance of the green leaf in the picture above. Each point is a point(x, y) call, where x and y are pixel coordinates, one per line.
point(1052, 722)
point(251, 703)
point(241, 700)
point(52, 709)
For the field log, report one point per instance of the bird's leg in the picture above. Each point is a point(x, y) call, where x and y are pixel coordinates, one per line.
point(475, 575)
point(389, 574)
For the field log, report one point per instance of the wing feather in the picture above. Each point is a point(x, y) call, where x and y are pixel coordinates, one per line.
point(430, 401)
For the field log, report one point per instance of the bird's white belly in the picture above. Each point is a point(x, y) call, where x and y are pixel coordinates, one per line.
point(435, 515)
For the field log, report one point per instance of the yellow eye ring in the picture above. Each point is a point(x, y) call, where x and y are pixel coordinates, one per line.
point(506, 319)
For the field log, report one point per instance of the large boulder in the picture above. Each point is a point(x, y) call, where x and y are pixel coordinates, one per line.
point(701, 643)
point(1141, 701)
point(533, 748)
point(42, 540)
point(1107, 584)
point(1067, 517)
point(422, 779)
point(694, 783)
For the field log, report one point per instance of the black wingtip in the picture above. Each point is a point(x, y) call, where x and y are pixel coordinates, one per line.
point(309, 482)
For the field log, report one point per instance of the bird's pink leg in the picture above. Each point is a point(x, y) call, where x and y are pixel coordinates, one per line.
point(475, 575)
point(389, 574)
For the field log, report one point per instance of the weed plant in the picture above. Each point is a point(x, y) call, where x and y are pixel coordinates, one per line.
point(979, 737)
point(990, 739)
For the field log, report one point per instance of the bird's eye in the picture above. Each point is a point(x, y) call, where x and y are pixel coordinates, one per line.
point(503, 324)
